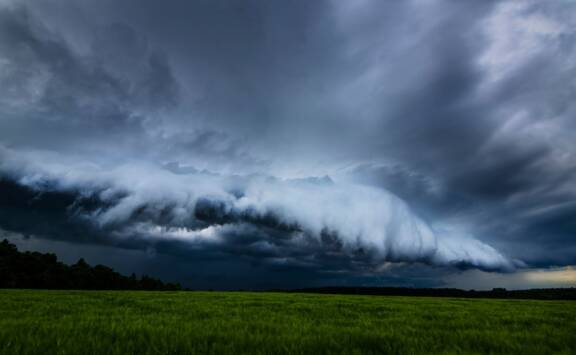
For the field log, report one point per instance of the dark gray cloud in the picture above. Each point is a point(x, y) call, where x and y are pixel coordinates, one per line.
point(279, 133)
point(62, 84)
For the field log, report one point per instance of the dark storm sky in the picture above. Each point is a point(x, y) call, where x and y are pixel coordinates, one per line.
point(274, 143)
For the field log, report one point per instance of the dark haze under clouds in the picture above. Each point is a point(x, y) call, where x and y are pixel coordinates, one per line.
point(291, 143)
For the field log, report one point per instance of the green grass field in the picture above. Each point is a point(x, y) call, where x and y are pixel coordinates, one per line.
point(87, 322)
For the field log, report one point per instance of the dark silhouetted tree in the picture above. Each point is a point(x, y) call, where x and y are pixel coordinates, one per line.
point(37, 270)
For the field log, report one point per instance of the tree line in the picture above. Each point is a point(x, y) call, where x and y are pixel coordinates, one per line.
point(568, 293)
point(36, 270)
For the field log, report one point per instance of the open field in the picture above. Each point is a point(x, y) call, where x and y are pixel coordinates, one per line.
point(128, 322)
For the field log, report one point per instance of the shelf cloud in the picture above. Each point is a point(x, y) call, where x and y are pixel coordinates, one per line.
point(295, 220)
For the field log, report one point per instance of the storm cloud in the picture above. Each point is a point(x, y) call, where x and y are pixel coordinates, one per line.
point(352, 138)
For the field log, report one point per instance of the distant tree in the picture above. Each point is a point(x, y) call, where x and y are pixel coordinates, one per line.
point(546, 294)
point(81, 264)
point(37, 270)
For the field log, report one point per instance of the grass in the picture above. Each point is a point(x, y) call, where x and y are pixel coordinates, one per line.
point(124, 322)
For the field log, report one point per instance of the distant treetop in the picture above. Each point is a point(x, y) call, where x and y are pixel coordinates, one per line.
point(44, 271)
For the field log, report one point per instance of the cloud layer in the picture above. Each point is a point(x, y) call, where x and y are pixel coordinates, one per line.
point(327, 135)
point(292, 221)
